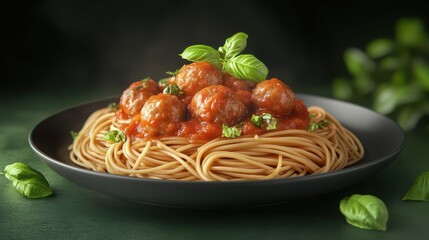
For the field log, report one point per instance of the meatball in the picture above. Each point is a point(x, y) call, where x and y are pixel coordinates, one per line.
point(217, 104)
point(161, 115)
point(273, 96)
point(134, 97)
point(196, 76)
point(237, 84)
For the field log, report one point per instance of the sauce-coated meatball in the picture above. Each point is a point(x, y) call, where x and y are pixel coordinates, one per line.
point(217, 104)
point(134, 97)
point(196, 76)
point(273, 96)
point(161, 115)
point(237, 84)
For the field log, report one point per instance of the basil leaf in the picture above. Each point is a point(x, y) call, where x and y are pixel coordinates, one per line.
point(380, 47)
point(410, 32)
point(388, 96)
point(391, 63)
point(365, 211)
point(357, 62)
point(410, 115)
point(233, 45)
point(420, 188)
point(27, 181)
point(364, 83)
point(421, 73)
point(202, 53)
point(342, 88)
point(246, 67)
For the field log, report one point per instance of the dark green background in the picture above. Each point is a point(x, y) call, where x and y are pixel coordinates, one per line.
point(108, 44)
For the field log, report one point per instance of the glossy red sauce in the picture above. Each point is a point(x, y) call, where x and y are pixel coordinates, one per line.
point(209, 102)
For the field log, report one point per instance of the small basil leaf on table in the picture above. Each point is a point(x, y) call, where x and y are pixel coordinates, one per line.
point(365, 211)
point(27, 181)
point(420, 189)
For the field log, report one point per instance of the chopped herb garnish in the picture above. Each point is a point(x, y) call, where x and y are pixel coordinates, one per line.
point(324, 123)
point(113, 107)
point(265, 118)
point(230, 132)
point(144, 84)
point(74, 134)
point(115, 136)
point(270, 120)
point(257, 120)
point(163, 82)
point(173, 90)
point(313, 126)
point(317, 125)
point(173, 74)
point(312, 115)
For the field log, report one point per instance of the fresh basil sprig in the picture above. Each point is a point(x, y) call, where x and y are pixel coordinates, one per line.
point(228, 58)
point(419, 191)
point(365, 211)
point(27, 181)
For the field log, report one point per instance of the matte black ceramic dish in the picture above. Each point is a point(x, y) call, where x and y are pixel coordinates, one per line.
point(382, 139)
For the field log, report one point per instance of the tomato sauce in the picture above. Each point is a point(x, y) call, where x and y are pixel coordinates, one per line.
point(202, 114)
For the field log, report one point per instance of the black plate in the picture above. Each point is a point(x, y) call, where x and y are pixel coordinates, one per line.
point(381, 137)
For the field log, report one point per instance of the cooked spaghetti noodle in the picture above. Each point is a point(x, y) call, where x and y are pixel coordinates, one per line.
point(275, 154)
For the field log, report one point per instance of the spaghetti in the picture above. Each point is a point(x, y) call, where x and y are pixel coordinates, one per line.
point(274, 154)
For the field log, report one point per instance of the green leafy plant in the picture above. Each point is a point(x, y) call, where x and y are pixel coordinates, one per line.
point(391, 75)
point(365, 211)
point(419, 191)
point(27, 181)
point(229, 58)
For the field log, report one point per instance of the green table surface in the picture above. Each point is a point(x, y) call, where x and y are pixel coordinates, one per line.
point(73, 212)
